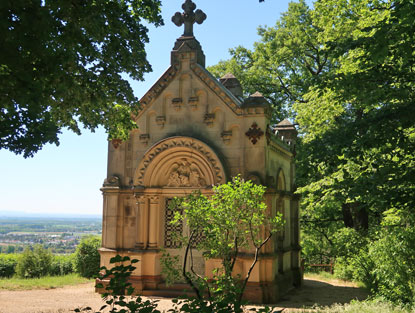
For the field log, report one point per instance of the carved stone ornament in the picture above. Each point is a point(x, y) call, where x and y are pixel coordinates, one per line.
point(144, 138)
point(185, 174)
point(209, 118)
point(182, 171)
point(226, 136)
point(116, 143)
point(254, 133)
point(193, 102)
point(177, 103)
point(112, 181)
point(161, 120)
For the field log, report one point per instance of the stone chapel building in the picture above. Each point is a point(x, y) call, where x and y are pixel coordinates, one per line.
point(194, 132)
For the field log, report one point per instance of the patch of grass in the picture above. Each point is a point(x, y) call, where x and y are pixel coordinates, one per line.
point(330, 278)
point(48, 282)
point(374, 306)
point(326, 276)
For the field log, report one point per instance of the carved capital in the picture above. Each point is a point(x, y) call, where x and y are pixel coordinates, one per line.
point(141, 200)
point(154, 199)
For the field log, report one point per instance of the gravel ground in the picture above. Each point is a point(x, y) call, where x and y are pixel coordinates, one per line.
point(66, 299)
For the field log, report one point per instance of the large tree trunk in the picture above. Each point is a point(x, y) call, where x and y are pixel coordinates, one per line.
point(355, 216)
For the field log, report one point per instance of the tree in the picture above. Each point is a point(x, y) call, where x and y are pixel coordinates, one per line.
point(283, 65)
point(61, 64)
point(87, 257)
point(34, 263)
point(357, 131)
point(232, 219)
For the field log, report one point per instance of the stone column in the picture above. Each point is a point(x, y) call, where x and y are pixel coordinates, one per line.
point(153, 230)
point(142, 222)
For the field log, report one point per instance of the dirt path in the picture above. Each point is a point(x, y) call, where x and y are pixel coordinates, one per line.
point(65, 300)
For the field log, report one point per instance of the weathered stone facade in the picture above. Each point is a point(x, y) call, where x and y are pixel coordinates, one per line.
point(195, 132)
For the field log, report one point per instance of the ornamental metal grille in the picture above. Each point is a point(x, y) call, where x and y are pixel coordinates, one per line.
point(198, 238)
point(171, 231)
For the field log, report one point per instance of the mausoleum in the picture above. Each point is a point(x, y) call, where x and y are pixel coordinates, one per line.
point(195, 131)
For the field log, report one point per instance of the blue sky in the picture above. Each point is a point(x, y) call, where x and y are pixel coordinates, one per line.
point(66, 179)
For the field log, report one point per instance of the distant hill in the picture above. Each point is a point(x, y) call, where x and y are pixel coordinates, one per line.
point(22, 214)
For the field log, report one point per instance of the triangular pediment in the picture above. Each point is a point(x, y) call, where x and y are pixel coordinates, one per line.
point(201, 73)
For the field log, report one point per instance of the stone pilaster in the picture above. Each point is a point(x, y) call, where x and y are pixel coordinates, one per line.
point(142, 222)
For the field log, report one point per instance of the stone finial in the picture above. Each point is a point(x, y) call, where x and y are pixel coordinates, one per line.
point(188, 17)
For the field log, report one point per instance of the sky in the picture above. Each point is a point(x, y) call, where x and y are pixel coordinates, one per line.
point(65, 179)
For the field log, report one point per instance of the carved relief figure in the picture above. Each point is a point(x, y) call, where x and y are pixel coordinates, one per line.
point(185, 174)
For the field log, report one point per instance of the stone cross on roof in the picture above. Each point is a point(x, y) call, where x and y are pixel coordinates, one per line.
point(188, 17)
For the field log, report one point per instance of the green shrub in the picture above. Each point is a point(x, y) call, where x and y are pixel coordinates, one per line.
point(8, 264)
point(62, 265)
point(393, 257)
point(350, 249)
point(87, 257)
point(34, 263)
point(118, 290)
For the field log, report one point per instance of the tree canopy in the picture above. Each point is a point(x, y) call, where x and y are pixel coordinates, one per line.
point(345, 72)
point(61, 64)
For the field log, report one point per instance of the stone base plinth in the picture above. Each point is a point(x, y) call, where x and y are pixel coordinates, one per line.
point(256, 293)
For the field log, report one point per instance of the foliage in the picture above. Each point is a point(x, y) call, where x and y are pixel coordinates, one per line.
point(286, 61)
point(393, 271)
point(356, 161)
point(345, 71)
point(66, 69)
point(118, 290)
point(62, 265)
point(373, 306)
point(8, 264)
point(39, 258)
point(234, 217)
point(34, 263)
point(87, 257)
point(46, 282)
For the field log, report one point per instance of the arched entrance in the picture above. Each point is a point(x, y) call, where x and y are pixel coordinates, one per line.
point(173, 167)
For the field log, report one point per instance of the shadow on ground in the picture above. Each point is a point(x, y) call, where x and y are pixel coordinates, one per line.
point(319, 293)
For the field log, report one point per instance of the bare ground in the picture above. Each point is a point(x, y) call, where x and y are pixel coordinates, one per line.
point(66, 299)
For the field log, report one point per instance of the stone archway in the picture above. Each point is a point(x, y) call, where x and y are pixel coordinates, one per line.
point(179, 162)
point(174, 166)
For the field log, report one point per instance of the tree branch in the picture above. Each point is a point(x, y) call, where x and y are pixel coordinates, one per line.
point(188, 279)
point(253, 265)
